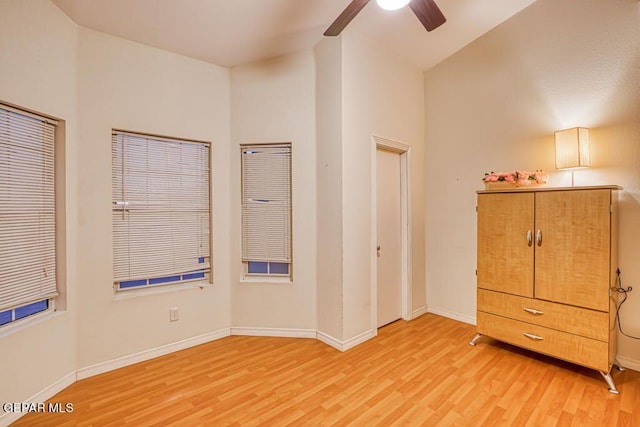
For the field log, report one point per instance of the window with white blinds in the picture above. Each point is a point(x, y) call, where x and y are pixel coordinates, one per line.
point(266, 208)
point(161, 210)
point(27, 213)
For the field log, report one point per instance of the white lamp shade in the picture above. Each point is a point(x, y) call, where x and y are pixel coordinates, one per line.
point(392, 4)
point(572, 148)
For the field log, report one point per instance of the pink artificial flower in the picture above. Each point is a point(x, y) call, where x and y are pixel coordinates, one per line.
point(510, 178)
point(523, 177)
point(541, 177)
point(517, 177)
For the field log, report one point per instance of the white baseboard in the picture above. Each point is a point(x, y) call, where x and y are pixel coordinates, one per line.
point(359, 339)
point(418, 312)
point(452, 315)
point(130, 359)
point(629, 363)
point(273, 332)
point(329, 340)
point(347, 344)
point(6, 418)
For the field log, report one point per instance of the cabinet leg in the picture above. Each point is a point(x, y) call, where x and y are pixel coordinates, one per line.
point(618, 366)
point(475, 338)
point(609, 380)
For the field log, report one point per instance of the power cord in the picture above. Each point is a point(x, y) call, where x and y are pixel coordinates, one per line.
point(619, 289)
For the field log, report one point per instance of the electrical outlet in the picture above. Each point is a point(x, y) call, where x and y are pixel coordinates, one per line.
point(173, 314)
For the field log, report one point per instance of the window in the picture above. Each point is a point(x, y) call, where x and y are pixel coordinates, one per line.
point(27, 214)
point(161, 210)
point(266, 209)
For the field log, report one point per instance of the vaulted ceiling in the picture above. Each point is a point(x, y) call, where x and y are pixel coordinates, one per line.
point(233, 32)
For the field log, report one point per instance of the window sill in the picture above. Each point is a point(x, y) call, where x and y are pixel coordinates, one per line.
point(28, 322)
point(266, 280)
point(155, 290)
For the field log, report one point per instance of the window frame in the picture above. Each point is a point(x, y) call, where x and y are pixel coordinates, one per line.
point(186, 279)
point(24, 319)
point(55, 299)
point(268, 273)
point(268, 277)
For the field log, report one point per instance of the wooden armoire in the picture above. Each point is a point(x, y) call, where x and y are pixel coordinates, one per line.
point(547, 261)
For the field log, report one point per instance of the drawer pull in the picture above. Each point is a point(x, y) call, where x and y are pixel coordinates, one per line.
point(533, 311)
point(533, 337)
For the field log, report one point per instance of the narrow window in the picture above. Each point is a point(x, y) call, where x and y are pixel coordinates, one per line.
point(27, 214)
point(161, 211)
point(266, 209)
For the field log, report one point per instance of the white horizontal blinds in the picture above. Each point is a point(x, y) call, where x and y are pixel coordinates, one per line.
point(27, 209)
point(266, 203)
point(160, 207)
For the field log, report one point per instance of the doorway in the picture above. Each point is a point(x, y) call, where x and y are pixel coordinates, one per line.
point(390, 230)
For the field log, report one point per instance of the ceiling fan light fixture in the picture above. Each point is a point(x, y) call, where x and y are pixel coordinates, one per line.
point(427, 12)
point(392, 4)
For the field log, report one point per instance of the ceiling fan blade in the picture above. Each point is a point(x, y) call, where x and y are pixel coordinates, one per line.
point(428, 13)
point(345, 17)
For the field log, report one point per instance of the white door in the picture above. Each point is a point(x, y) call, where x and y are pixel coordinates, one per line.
point(389, 231)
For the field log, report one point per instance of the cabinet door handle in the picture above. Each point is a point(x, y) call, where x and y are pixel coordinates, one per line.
point(533, 337)
point(539, 237)
point(529, 237)
point(533, 311)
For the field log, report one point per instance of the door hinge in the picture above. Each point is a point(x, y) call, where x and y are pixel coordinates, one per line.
point(476, 208)
point(476, 272)
point(611, 208)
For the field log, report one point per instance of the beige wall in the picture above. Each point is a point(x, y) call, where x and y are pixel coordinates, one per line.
point(362, 91)
point(495, 105)
point(329, 185)
point(94, 83)
point(492, 106)
point(383, 96)
point(52, 66)
point(274, 101)
point(125, 85)
point(38, 72)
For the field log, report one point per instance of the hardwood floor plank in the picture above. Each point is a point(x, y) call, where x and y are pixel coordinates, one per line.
point(421, 372)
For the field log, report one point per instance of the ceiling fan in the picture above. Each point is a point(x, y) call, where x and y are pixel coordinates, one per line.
point(426, 10)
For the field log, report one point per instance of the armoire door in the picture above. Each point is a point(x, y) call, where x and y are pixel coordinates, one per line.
point(505, 242)
point(573, 247)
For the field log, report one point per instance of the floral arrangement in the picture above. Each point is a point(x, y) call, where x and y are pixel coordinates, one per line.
point(517, 177)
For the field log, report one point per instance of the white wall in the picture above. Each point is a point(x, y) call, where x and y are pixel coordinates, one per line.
point(274, 101)
point(129, 86)
point(495, 105)
point(382, 96)
point(38, 72)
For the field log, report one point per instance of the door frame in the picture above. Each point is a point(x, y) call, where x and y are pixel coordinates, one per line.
point(404, 151)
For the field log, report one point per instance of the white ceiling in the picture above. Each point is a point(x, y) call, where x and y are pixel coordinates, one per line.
point(233, 32)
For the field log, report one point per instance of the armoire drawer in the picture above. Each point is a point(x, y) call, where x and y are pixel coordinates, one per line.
point(578, 321)
point(573, 348)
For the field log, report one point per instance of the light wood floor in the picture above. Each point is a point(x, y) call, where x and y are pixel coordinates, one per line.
point(414, 373)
